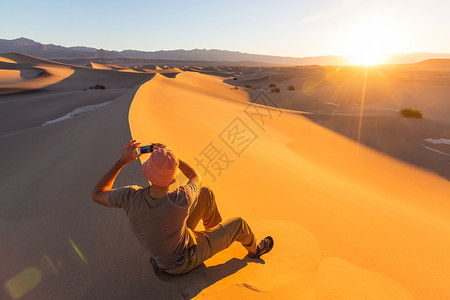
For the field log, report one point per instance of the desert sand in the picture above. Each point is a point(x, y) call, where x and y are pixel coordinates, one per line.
point(332, 97)
point(349, 222)
point(31, 78)
point(156, 69)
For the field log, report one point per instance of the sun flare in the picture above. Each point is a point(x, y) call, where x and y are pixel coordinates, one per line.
point(371, 43)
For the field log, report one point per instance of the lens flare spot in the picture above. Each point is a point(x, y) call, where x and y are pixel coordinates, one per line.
point(80, 254)
point(23, 282)
point(50, 263)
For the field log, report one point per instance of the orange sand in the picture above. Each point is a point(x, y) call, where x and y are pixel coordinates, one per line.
point(348, 222)
point(12, 81)
point(7, 60)
point(366, 210)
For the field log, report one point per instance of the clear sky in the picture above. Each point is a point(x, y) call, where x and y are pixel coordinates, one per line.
point(282, 27)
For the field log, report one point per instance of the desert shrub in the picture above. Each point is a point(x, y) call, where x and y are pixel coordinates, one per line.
point(248, 86)
point(97, 87)
point(234, 78)
point(236, 88)
point(272, 85)
point(291, 87)
point(275, 90)
point(411, 113)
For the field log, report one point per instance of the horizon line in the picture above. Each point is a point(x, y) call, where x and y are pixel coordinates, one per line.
point(238, 51)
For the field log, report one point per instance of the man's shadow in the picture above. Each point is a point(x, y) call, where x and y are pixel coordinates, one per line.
point(192, 283)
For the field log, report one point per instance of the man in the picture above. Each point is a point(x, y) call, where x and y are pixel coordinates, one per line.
point(164, 222)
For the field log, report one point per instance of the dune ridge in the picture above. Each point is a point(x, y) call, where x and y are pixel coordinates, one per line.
point(7, 60)
point(100, 66)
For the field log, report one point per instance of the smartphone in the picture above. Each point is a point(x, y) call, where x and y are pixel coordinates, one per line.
point(146, 149)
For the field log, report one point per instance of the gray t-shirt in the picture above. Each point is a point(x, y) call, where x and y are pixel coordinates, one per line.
point(159, 225)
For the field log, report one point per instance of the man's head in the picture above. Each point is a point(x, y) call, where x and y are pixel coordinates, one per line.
point(161, 168)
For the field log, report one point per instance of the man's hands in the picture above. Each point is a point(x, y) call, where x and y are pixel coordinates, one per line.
point(128, 154)
point(100, 192)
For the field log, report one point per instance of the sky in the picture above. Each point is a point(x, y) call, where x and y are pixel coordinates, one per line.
point(282, 27)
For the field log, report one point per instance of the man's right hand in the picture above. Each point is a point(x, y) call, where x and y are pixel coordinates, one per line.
point(158, 146)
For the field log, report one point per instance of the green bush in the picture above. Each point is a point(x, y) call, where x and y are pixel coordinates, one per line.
point(291, 87)
point(275, 90)
point(411, 113)
point(97, 87)
point(272, 85)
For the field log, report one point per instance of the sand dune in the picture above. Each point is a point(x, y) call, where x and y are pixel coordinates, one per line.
point(348, 222)
point(128, 70)
point(212, 85)
point(163, 71)
point(30, 74)
point(364, 207)
point(169, 70)
point(9, 77)
point(166, 70)
point(80, 78)
point(100, 66)
point(27, 59)
point(7, 60)
point(389, 89)
point(47, 222)
point(51, 75)
point(259, 75)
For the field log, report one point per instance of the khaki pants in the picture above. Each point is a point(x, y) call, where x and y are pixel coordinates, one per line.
point(217, 236)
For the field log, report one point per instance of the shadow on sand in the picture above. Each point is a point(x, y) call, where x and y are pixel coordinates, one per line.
point(192, 283)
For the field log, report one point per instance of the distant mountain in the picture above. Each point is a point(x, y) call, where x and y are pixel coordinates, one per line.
point(51, 51)
point(225, 55)
point(433, 64)
point(408, 58)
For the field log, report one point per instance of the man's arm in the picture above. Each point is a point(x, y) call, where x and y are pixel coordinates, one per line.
point(102, 189)
point(193, 176)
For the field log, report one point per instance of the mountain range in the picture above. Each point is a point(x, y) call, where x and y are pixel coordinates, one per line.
point(56, 52)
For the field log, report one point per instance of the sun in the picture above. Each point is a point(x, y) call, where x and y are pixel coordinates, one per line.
point(371, 43)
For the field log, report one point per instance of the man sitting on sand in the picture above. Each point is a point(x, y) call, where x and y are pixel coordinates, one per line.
point(164, 222)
